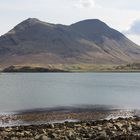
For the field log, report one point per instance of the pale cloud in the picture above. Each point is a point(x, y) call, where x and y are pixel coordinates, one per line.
point(134, 29)
point(120, 4)
point(133, 32)
point(85, 3)
point(22, 6)
point(134, 38)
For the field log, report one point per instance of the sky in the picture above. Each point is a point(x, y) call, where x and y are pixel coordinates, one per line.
point(122, 15)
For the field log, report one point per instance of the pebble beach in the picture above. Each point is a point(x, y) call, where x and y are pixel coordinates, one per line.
point(76, 125)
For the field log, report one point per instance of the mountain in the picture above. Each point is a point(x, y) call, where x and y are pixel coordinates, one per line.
point(85, 42)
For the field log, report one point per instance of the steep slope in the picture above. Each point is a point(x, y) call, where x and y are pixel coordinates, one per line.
point(89, 41)
point(111, 41)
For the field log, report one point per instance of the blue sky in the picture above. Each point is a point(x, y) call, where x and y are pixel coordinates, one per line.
point(123, 15)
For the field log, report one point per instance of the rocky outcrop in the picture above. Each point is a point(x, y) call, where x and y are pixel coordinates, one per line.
point(31, 69)
point(124, 129)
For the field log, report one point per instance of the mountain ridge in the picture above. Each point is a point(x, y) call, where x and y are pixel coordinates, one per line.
point(89, 41)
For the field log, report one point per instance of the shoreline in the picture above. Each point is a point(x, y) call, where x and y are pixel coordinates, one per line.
point(75, 124)
point(72, 68)
point(36, 117)
point(68, 72)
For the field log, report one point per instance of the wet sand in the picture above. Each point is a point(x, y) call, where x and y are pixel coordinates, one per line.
point(61, 114)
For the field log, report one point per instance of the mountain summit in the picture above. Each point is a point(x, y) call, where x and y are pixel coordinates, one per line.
point(89, 41)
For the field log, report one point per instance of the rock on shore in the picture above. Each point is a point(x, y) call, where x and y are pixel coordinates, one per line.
point(121, 128)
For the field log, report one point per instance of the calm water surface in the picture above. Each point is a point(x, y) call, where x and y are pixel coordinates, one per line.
point(20, 91)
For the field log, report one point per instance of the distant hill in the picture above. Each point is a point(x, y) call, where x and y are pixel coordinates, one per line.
point(33, 42)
